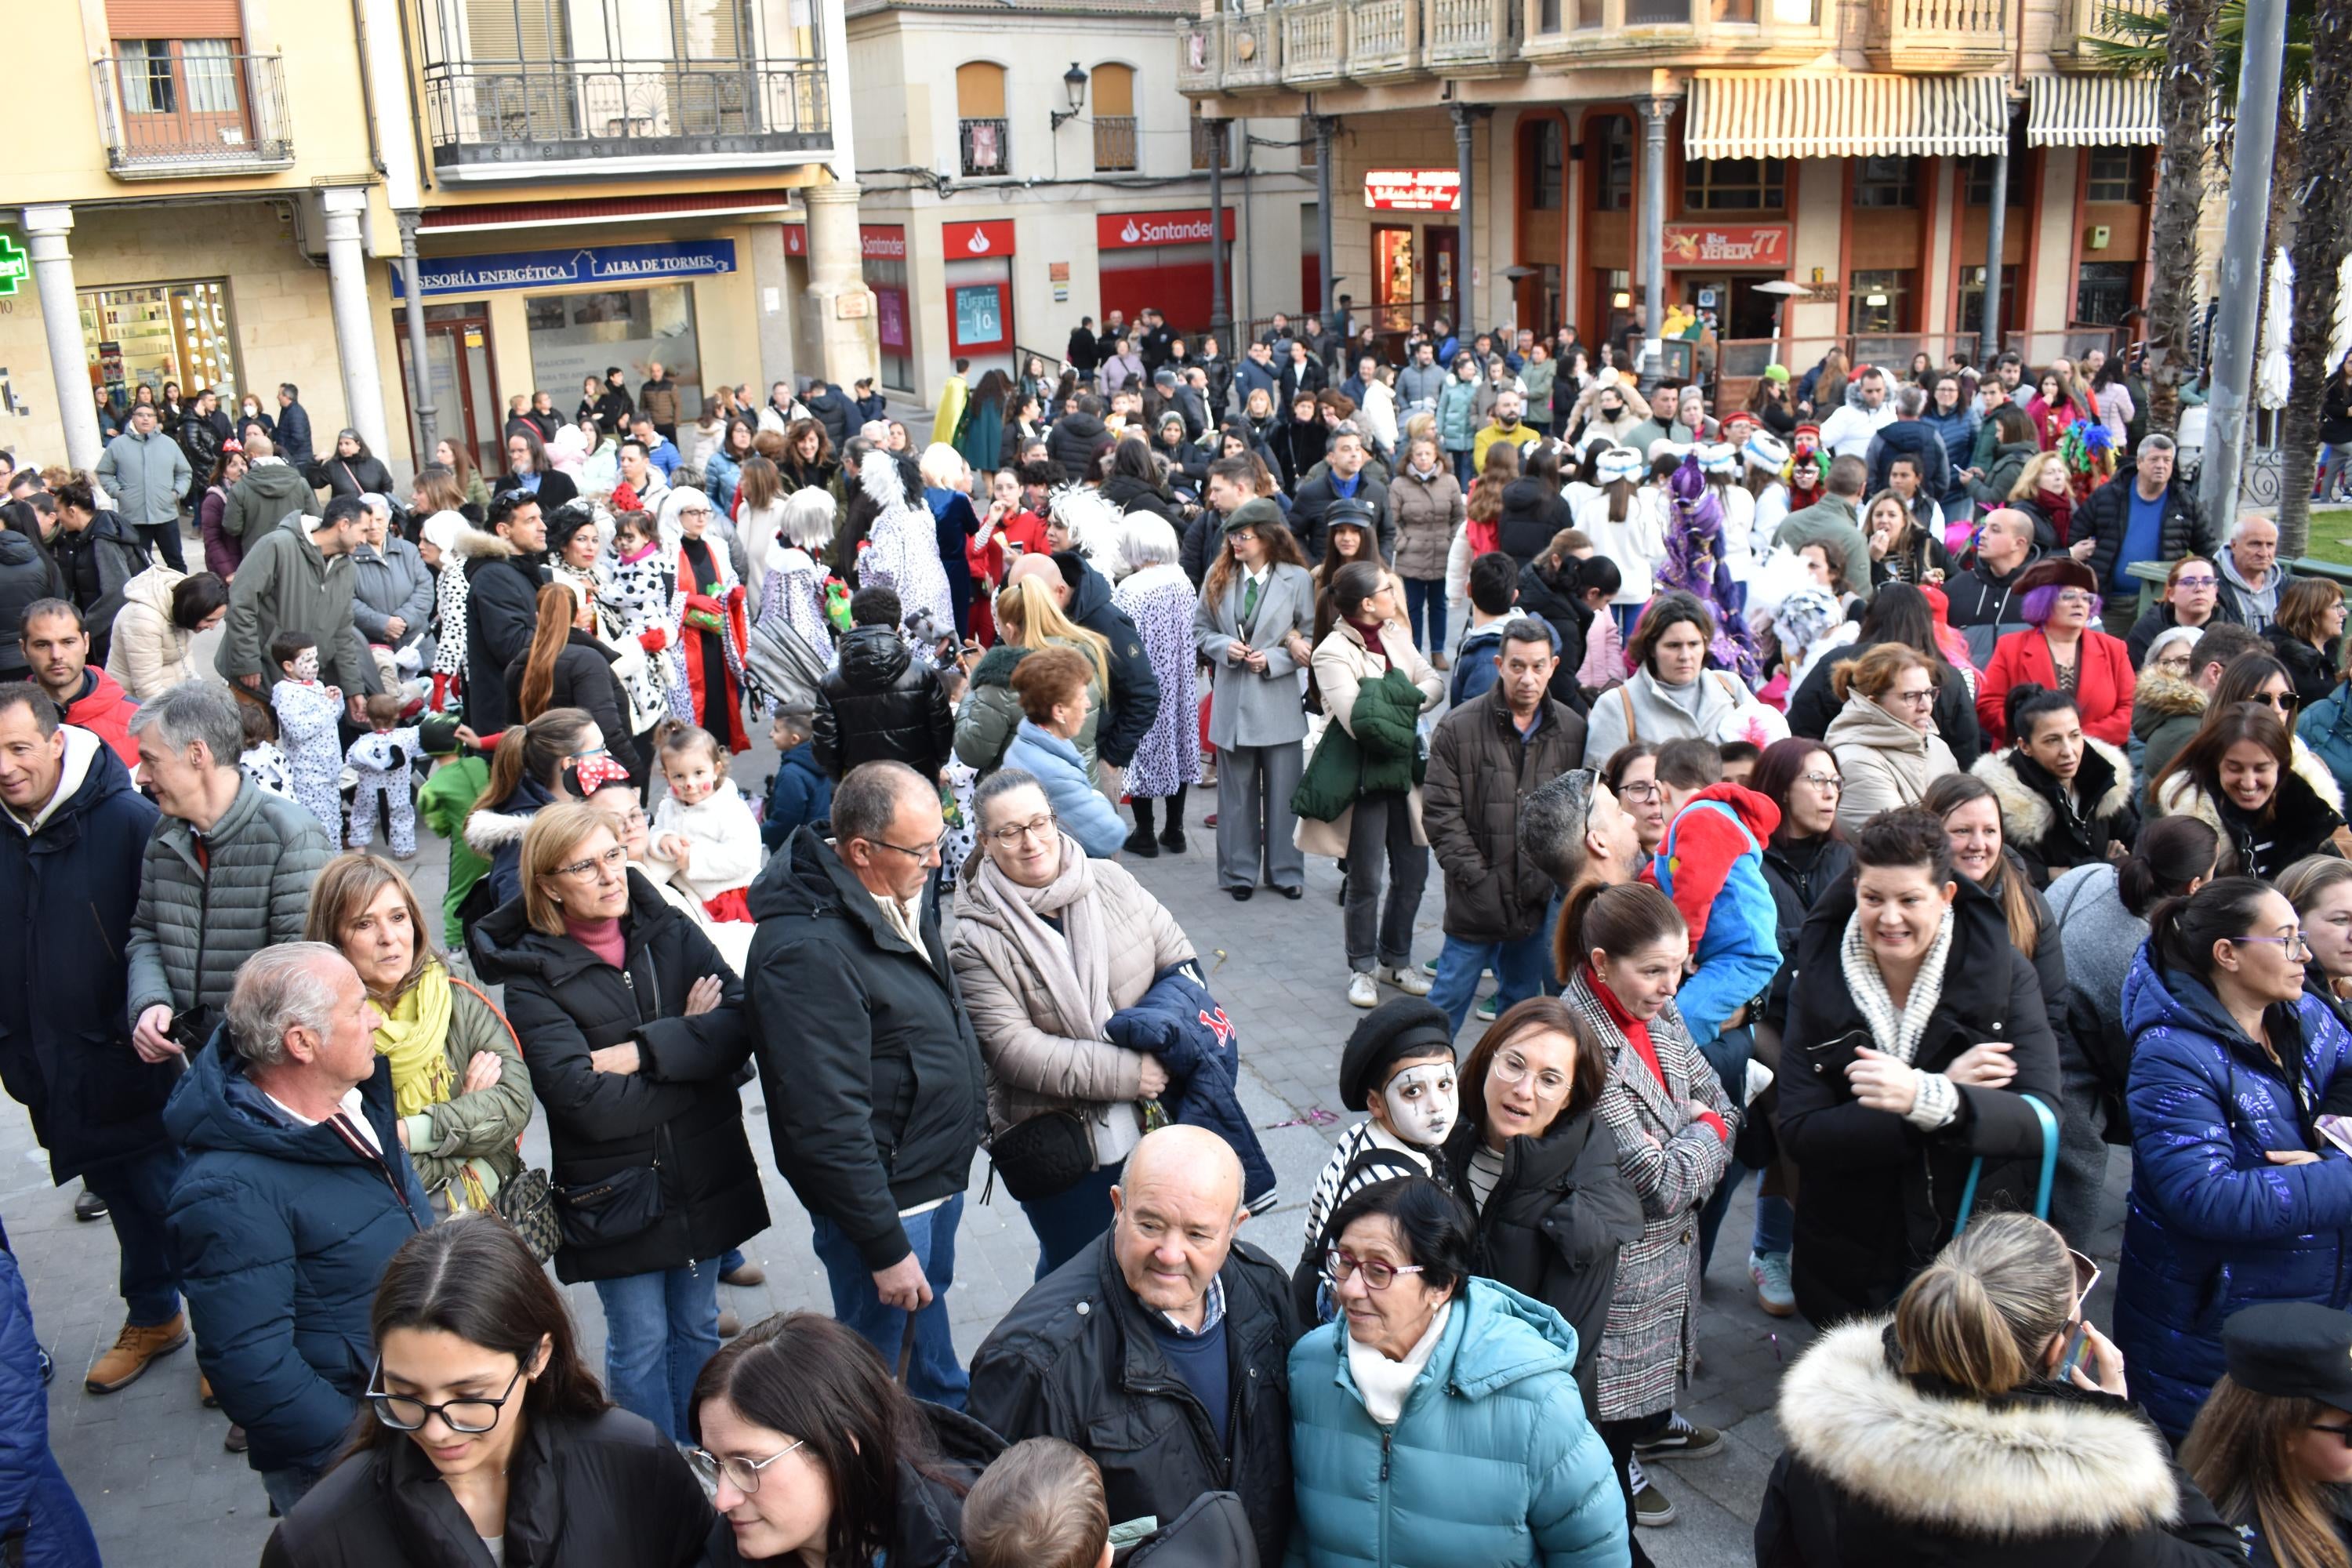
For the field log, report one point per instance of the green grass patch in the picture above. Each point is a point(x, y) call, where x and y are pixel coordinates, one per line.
point(2331, 534)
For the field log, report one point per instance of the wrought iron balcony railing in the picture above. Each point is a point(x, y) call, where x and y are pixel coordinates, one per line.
point(490, 120)
point(188, 108)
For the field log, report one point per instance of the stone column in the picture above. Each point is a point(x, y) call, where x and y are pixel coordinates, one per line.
point(1220, 321)
point(1325, 125)
point(46, 228)
point(841, 305)
point(1466, 301)
point(1654, 111)
point(345, 207)
point(774, 311)
point(420, 364)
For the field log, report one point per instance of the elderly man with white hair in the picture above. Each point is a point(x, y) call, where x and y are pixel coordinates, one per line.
point(2252, 574)
point(2141, 514)
point(295, 1195)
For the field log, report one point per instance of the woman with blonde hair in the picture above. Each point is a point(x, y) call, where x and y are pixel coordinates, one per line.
point(458, 1083)
point(2269, 1445)
point(2044, 493)
point(1885, 737)
point(1964, 1434)
point(1027, 617)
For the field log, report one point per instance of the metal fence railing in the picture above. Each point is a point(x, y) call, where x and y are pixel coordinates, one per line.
point(191, 106)
point(483, 110)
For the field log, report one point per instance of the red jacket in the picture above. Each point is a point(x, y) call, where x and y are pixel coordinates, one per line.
point(104, 709)
point(2103, 690)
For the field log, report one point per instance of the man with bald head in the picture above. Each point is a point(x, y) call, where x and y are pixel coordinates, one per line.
point(1983, 604)
point(1160, 1350)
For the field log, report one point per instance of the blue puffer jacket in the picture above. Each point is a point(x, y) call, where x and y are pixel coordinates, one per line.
point(283, 1232)
point(1179, 1022)
point(1491, 1461)
point(1456, 405)
point(2213, 1225)
point(38, 1512)
point(2327, 727)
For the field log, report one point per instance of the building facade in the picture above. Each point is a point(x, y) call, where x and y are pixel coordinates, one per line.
point(1023, 168)
point(230, 192)
point(1844, 153)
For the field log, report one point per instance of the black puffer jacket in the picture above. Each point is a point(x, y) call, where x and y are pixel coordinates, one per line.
point(2108, 514)
point(665, 1139)
point(26, 574)
point(584, 679)
point(1072, 440)
point(1132, 495)
point(1479, 771)
point(1799, 876)
point(1554, 1223)
point(2311, 670)
point(1880, 1195)
point(501, 614)
point(1533, 514)
point(1543, 596)
point(877, 704)
point(871, 1068)
point(1076, 1358)
point(1134, 689)
point(927, 1518)
point(606, 1492)
point(345, 475)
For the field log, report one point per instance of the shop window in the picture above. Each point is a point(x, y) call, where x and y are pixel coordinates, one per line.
point(1887, 183)
point(1735, 184)
point(1546, 140)
point(1612, 157)
point(1114, 119)
point(1977, 172)
point(1208, 135)
point(573, 336)
point(147, 335)
point(1879, 301)
point(2103, 291)
point(980, 127)
point(2116, 175)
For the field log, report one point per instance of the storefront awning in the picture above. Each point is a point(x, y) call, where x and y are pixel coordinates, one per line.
point(1738, 114)
point(2091, 111)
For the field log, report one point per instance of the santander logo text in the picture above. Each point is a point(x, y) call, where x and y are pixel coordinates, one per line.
point(1131, 233)
point(978, 243)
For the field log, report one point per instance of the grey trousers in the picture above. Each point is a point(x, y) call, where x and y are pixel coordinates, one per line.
point(1381, 828)
point(2078, 1195)
point(1253, 788)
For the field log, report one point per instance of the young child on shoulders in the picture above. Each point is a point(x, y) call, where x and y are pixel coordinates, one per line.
point(310, 714)
point(703, 830)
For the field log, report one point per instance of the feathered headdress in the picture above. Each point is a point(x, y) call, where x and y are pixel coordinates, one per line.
point(2088, 450)
point(1809, 463)
point(1694, 565)
point(1091, 519)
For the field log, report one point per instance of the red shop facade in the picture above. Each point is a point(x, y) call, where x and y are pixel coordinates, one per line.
point(882, 252)
point(1160, 259)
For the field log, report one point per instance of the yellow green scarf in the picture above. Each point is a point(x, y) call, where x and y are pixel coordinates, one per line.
point(414, 1041)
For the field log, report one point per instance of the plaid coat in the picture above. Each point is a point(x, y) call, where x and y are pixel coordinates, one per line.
point(1652, 1332)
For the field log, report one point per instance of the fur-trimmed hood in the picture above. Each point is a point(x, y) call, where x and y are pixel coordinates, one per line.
point(480, 544)
point(2027, 813)
point(2179, 793)
point(489, 831)
point(2158, 697)
point(2041, 1464)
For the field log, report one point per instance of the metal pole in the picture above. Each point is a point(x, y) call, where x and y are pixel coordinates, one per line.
point(420, 380)
point(1221, 320)
point(1322, 305)
point(1466, 296)
point(1989, 339)
point(1653, 237)
point(2242, 262)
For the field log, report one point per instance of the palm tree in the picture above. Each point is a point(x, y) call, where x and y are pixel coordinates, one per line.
point(2323, 208)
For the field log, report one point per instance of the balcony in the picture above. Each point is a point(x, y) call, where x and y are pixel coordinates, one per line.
point(1702, 33)
point(1252, 58)
point(1383, 39)
point(1471, 37)
point(1114, 143)
point(1313, 42)
point(188, 110)
point(1936, 37)
point(986, 148)
point(489, 120)
point(2083, 22)
point(1200, 54)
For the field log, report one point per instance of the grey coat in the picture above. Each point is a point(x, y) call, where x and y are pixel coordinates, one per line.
point(393, 580)
point(146, 474)
point(198, 920)
point(1246, 708)
point(286, 583)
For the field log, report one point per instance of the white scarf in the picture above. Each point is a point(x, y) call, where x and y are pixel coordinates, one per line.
point(1899, 1034)
point(1384, 1383)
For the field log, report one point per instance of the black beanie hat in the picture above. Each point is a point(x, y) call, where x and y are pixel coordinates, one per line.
point(1400, 1027)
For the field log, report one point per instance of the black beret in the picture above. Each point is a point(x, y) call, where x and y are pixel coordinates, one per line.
point(1397, 1028)
point(2291, 1350)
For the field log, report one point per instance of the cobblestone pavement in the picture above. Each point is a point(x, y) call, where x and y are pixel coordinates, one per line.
point(148, 1465)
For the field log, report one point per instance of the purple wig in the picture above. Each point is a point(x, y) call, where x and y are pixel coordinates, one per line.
point(2036, 606)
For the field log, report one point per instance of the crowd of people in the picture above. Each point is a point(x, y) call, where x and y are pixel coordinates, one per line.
point(1808, 776)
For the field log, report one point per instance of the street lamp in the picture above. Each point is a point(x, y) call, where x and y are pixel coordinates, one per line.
point(1075, 82)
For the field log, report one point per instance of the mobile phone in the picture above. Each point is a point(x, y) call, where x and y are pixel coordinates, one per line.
point(2076, 1353)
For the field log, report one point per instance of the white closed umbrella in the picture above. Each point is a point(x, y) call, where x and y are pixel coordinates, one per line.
point(2272, 376)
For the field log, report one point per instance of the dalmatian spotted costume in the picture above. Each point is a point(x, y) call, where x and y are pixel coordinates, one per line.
point(381, 759)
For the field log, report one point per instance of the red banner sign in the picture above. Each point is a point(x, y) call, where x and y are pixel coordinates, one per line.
point(1124, 231)
point(965, 241)
point(1764, 245)
point(795, 239)
point(882, 242)
point(1413, 190)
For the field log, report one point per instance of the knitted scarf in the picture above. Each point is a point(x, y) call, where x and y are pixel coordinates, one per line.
point(1072, 964)
point(412, 1040)
point(1898, 1032)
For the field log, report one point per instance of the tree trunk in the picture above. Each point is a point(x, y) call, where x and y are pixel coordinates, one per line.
point(2322, 209)
point(2185, 101)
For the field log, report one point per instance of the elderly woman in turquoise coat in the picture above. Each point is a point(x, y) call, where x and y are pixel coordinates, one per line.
point(1438, 1421)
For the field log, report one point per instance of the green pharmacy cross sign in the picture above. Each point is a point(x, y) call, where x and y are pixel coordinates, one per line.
point(15, 268)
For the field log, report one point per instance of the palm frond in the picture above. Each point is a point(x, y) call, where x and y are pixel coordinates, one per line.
point(2133, 43)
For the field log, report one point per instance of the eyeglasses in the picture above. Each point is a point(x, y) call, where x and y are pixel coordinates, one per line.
point(2284, 701)
point(1378, 1275)
point(1916, 699)
point(403, 1414)
point(2196, 580)
point(933, 847)
point(1830, 782)
point(614, 860)
point(2343, 1433)
point(2294, 945)
point(1041, 830)
point(2073, 596)
point(1641, 791)
point(2174, 664)
point(1511, 1068)
point(741, 1474)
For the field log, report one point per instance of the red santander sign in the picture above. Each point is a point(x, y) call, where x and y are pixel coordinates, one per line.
point(1125, 231)
point(882, 242)
point(966, 241)
point(1413, 190)
point(1728, 245)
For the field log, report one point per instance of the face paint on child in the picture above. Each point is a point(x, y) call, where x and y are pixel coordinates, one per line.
point(306, 665)
point(1421, 1103)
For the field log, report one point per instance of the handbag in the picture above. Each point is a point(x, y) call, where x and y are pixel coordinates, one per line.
point(615, 1209)
point(1042, 1156)
point(2043, 1114)
point(528, 1204)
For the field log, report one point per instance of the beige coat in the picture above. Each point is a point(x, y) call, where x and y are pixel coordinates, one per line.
point(1340, 666)
point(1885, 761)
point(148, 652)
point(1030, 1070)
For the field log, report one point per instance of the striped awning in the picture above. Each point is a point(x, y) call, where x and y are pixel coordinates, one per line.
point(1853, 114)
point(2091, 111)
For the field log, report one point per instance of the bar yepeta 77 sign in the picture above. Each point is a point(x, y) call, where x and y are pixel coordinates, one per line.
point(1413, 190)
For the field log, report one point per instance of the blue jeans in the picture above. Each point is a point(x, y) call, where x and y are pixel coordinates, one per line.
point(288, 1487)
point(1728, 1052)
point(1463, 471)
point(660, 1328)
point(137, 1190)
point(1424, 612)
point(1520, 969)
point(933, 1371)
point(1776, 1223)
point(1066, 1223)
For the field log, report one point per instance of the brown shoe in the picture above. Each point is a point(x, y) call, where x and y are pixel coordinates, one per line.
point(133, 1349)
point(746, 1273)
point(729, 1325)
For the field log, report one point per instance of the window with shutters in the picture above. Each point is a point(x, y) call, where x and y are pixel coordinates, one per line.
point(981, 124)
point(1114, 119)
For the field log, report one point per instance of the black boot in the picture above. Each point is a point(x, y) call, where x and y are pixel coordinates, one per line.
point(1141, 842)
point(1172, 837)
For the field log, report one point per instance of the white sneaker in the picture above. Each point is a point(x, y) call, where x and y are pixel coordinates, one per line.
point(1409, 980)
point(1363, 991)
